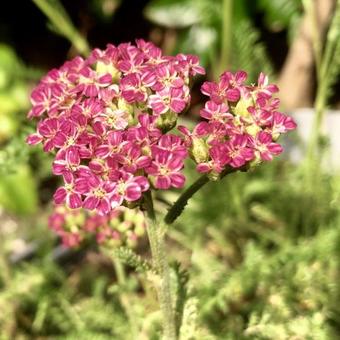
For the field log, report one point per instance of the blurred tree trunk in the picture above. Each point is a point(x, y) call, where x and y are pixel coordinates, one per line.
point(297, 76)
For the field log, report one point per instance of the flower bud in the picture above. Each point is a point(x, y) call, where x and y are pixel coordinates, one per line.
point(131, 239)
point(255, 162)
point(124, 226)
point(167, 121)
point(241, 108)
point(140, 229)
point(199, 150)
point(213, 176)
point(253, 129)
point(125, 106)
point(131, 205)
point(103, 68)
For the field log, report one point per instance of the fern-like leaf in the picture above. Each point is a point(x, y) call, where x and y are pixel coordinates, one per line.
point(130, 258)
point(181, 278)
point(189, 327)
point(249, 53)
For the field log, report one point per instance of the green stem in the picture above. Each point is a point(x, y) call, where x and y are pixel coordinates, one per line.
point(157, 244)
point(5, 278)
point(310, 10)
point(178, 207)
point(323, 64)
point(5, 271)
point(227, 10)
point(183, 199)
point(56, 13)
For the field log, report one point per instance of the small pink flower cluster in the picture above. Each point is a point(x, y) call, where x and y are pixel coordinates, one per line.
point(107, 117)
point(241, 124)
point(121, 226)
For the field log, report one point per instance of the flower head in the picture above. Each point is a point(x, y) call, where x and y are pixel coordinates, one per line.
point(121, 226)
point(106, 118)
point(242, 124)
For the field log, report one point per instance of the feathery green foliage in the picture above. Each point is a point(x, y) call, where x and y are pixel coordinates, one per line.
point(248, 51)
point(201, 31)
point(130, 258)
point(281, 14)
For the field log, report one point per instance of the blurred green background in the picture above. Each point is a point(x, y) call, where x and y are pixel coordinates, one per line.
point(262, 249)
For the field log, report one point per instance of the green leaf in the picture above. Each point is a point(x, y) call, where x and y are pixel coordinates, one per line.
point(200, 40)
point(173, 13)
point(18, 192)
point(130, 258)
point(9, 65)
point(280, 14)
point(181, 278)
point(189, 327)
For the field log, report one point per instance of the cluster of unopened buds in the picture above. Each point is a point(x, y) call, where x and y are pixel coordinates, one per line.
point(121, 227)
point(108, 119)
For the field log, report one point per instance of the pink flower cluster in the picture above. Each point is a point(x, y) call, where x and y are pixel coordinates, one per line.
point(241, 124)
point(122, 226)
point(107, 119)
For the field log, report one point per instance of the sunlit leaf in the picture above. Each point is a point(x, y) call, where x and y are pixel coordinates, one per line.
point(18, 192)
point(173, 14)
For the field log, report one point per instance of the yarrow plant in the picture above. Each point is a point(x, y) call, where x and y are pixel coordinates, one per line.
point(109, 120)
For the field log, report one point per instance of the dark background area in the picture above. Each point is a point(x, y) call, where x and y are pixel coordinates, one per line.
point(26, 30)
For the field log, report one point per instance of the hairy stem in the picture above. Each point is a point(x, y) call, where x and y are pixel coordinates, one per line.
point(156, 238)
point(157, 244)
